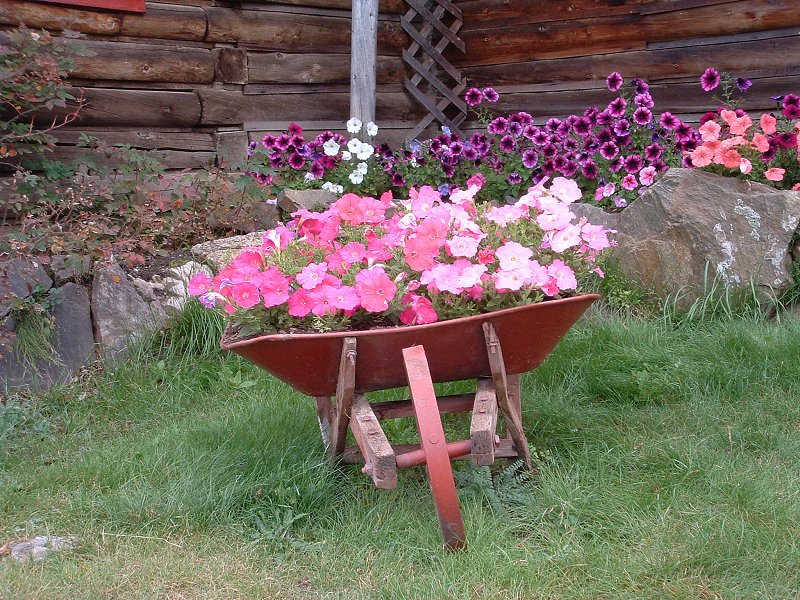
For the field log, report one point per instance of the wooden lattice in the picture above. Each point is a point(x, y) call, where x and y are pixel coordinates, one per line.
point(436, 84)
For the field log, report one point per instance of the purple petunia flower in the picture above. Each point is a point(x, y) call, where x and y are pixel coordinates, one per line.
point(470, 153)
point(641, 86)
point(684, 132)
point(668, 121)
point(620, 202)
point(709, 79)
point(436, 145)
point(498, 125)
point(582, 126)
point(490, 95)
point(283, 141)
point(609, 150)
point(444, 189)
point(614, 81)
point(549, 150)
point(473, 97)
point(615, 165)
point(603, 118)
point(616, 107)
point(540, 138)
point(547, 167)
point(559, 162)
point(570, 144)
point(790, 99)
point(792, 111)
point(295, 129)
point(642, 116)
point(653, 152)
point(514, 178)
point(743, 84)
point(507, 143)
point(515, 128)
point(564, 128)
point(456, 148)
point(622, 128)
point(448, 170)
point(552, 124)
point(529, 158)
point(589, 169)
point(316, 170)
point(276, 161)
point(527, 119)
point(397, 180)
point(268, 141)
point(296, 161)
point(605, 135)
point(633, 163)
point(569, 169)
point(645, 100)
point(529, 131)
point(786, 139)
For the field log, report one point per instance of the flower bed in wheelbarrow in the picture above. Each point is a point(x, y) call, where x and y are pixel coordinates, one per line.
point(377, 293)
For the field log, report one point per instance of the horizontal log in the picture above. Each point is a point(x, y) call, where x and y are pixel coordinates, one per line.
point(230, 65)
point(170, 159)
point(144, 62)
point(138, 108)
point(582, 37)
point(58, 18)
point(231, 107)
point(267, 89)
point(280, 67)
point(167, 21)
point(144, 139)
point(657, 6)
point(385, 6)
point(273, 30)
point(488, 14)
point(742, 58)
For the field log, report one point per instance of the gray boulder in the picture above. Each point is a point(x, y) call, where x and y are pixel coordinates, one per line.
point(691, 228)
point(290, 200)
point(176, 283)
point(121, 314)
point(19, 278)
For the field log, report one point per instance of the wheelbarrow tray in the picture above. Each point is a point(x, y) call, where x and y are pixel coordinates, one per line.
point(456, 350)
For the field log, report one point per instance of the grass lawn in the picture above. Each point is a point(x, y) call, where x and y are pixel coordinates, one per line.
point(669, 457)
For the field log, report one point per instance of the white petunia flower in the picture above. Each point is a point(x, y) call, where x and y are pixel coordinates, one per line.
point(331, 148)
point(309, 177)
point(356, 177)
point(365, 151)
point(362, 168)
point(328, 186)
point(354, 145)
point(337, 189)
point(354, 125)
point(372, 129)
point(346, 156)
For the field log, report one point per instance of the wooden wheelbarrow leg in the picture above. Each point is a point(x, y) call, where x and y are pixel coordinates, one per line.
point(334, 418)
point(505, 400)
point(437, 459)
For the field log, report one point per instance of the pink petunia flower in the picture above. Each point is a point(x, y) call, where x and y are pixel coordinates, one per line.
point(419, 310)
point(199, 284)
point(300, 303)
point(311, 275)
point(274, 287)
point(565, 238)
point(774, 174)
point(245, 294)
point(768, 124)
point(565, 190)
point(512, 254)
point(420, 252)
point(375, 289)
point(709, 131)
point(701, 156)
point(731, 158)
point(463, 246)
point(562, 274)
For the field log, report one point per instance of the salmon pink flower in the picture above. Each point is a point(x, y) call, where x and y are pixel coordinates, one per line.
point(375, 289)
point(774, 174)
point(731, 158)
point(709, 131)
point(768, 124)
point(702, 156)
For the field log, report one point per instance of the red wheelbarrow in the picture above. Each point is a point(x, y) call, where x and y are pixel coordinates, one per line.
point(339, 368)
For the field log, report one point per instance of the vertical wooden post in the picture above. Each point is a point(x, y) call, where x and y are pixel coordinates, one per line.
point(363, 60)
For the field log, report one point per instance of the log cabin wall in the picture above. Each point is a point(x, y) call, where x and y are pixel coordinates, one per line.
point(197, 80)
point(552, 58)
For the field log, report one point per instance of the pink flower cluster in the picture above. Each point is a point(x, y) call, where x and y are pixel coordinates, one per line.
point(367, 261)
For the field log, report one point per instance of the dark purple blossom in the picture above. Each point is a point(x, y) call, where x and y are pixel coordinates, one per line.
point(622, 127)
point(559, 162)
point(295, 129)
point(743, 84)
point(507, 143)
point(570, 144)
point(473, 97)
point(515, 128)
point(624, 140)
point(448, 170)
point(436, 146)
point(514, 178)
point(640, 86)
point(605, 135)
point(316, 170)
point(283, 141)
point(552, 124)
point(529, 131)
point(709, 79)
point(615, 165)
point(490, 95)
point(470, 153)
point(498, 125)
point(642, 116)
point(456, 147)
point(683, 132)
point(786, 139)
point(549, 150)
point(547, 167)
point(540, 138)
point(792, 111)
point(564, 128)
point(633, 163)
point(296, 161)
point(268, 141)
point(709, 116)
point(668, 121)
point(582, 126)
point(603, 118)
point(614, 81)
point(397, 180)
point(616, 107)
point(589, 169)
point(609, 150)
point(791, 99)
point(569, 169)
point(653, 152)
point(645, 100)
point(276, 161)
point(529, 158)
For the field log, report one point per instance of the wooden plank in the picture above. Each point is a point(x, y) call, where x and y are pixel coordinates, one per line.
point(294, 32)
point(747, 36)
point(386, 6)
point(230, 107)
point(345, 389)
point(483, 427)
point(144, 62)
point(167, 21)
point(58, 18)
point(136, 6)
point(280, 67)
point(144, 139)
point(490, 13)
point(404, 408)
point(230, 65)
point(267, 89)
point(363, 60)
point(170, 159)
point(381, 464)
point(513, 416)
point(657, 6)
point(137, 108)
point(352, 455)
point(325, 417)
point(740, 57)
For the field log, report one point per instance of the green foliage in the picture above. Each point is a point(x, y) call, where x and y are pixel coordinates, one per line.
point(33, 327)
point(32, 70)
